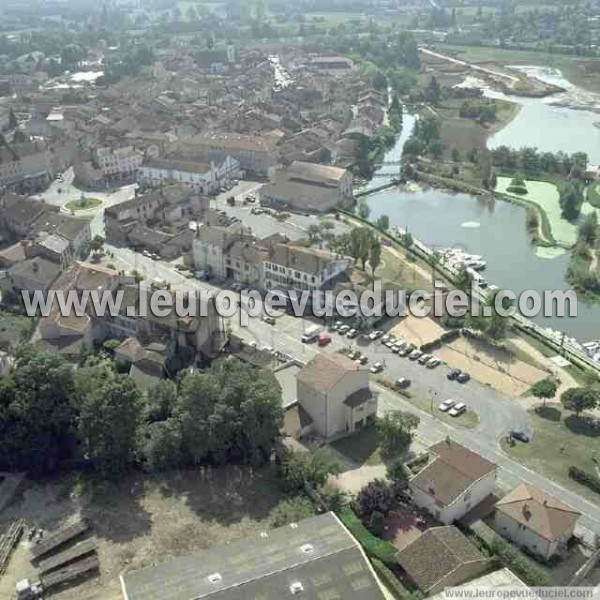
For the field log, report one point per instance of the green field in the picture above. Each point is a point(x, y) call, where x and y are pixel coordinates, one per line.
point(572, 67)
point(83, 204)
point(560, 440)
point(544, 195)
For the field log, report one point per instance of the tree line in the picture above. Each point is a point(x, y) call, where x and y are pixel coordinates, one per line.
point(52, 414)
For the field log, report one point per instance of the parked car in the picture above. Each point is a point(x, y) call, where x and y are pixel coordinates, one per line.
point(386, 338)
point(406, 350)
point(433, 362)
point(389, 343)
point(336, 326)
point(415, 355)
point(516, 434)
point(324, 338)
point(374, 335)
point(377, 368)
point(343, 329)
point(396, 348)
point(463, 377)
point(425, 358)
point(453, 374)
point(362, 359)
point(354, 354)
point(458, 409)
point(446, 405)
point(402, 383)
point(352, 334)
point(269, 320)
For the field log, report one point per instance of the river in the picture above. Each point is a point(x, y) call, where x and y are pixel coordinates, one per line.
point(492, 228)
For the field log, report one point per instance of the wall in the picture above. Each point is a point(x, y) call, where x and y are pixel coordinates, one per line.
point(521, 536)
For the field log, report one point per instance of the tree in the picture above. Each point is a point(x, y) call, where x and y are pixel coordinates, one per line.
point(314, 233)
point(579, 399)
point(363, 210)
point(432, 91)
point(588, 230)
point(109, 413)
point(12, 120)
point(396, 473)
point(396, 430)
point(544, 389)
point(36, 415)
point(571, 200)
point(231, 411)
point(307, 468)
point(383, 223)
point(455, 155)
point(97, 243)
point(377, 495)
point(159, 445)
point(292, 510)
point(375, 255)
point(160, 402)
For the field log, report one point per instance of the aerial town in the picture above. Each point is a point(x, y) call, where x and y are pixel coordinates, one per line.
point(218, 153)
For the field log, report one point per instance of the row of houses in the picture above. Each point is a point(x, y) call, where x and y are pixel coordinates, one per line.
point(271, 263)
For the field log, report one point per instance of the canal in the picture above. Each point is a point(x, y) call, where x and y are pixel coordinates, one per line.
point(492, 228)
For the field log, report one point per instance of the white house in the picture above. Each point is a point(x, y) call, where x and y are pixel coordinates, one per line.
point(204, 178)
point(532, 519)
point(300, 268)
point(334, 391)
point(453, 482)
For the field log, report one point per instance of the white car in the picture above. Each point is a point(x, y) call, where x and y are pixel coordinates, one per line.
point(377, 368)
point(375, 335)
point(386, 338)
point(458, 409)
point(446, 405)
point(434, 362)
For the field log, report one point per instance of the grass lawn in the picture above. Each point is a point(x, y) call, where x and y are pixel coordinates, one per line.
point(560, 440)
point(361, 448)
point(468, 420)
point(83, 204)
point(545, 195)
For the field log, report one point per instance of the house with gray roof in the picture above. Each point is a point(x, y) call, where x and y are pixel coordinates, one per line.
point(315, 559)
point(442, 557)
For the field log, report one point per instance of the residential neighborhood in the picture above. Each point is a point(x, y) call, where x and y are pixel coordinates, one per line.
point(299, 299)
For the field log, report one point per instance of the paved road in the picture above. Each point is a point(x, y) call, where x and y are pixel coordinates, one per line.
point(510, 473)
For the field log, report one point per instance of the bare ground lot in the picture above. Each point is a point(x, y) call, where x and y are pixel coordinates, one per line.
point(418, 331)
point(490, 366)
point(144, 520)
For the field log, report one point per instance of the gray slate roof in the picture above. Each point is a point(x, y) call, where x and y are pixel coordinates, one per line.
point(317, 554)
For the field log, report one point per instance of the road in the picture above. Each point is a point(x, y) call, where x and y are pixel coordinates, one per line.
point(512, 79)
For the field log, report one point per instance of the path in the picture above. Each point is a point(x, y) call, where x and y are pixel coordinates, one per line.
point(511, 78)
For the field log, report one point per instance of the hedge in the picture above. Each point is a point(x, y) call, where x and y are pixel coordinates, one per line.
point(373, 546)
point(508, 554)
point(391, 582)
point(586, 478)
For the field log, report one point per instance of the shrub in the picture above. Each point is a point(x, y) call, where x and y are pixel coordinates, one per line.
point(391, 582)
point(516, 561)
point(586, 478)
point(373, 546)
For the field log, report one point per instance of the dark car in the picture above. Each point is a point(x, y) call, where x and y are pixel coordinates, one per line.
point(454, 374)
point(515, 434)
point(463, 378)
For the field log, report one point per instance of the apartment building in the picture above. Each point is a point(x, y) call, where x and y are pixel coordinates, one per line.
point(25, 167)
point(204, 178)
point(118, 163)
point(299, 268)
point(256, 154)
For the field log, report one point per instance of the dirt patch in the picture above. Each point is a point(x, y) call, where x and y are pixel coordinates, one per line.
point(418, 331)
point(489, 366)
point(402, 528)
point(144, 520)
